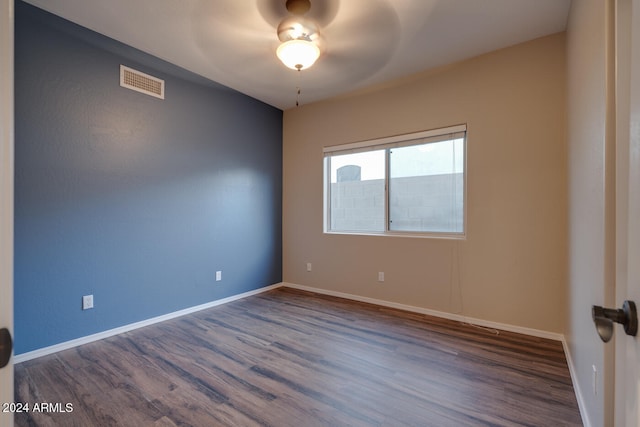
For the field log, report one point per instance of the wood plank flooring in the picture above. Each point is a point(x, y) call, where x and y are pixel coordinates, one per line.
point(294, 358)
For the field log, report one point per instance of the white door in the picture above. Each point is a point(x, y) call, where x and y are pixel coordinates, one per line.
point(627, 405)
point(6, 197)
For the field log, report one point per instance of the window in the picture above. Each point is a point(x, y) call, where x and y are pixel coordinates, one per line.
point(404, 185)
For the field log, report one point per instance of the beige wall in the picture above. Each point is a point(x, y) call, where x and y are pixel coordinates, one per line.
point(512, 266)
point(591, 179)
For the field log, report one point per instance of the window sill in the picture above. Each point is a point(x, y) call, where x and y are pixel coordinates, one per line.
point(413, 235)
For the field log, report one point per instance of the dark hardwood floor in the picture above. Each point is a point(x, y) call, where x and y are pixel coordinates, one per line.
point(293, 358)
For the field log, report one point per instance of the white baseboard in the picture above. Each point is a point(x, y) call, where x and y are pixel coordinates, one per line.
point(574, 379)
point(451, 316)
point(23, 357)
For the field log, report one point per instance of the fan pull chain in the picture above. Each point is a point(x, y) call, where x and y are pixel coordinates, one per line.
point(298, 90)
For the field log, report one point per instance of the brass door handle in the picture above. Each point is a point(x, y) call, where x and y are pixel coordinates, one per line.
point(605, 317)
point(6, 346)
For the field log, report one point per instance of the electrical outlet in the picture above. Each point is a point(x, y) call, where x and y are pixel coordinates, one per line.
point(381, 276)
point(218, 276)
point(87, 302)
point(308, 266)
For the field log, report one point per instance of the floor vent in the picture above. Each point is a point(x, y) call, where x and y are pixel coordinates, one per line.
point(141, 82)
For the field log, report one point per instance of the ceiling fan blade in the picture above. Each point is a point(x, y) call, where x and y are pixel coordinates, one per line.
point(361, 40)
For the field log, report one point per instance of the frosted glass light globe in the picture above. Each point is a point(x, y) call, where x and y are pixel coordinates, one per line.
point(298, 54)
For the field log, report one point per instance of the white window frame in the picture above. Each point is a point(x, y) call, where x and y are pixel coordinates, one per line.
point(417, 138)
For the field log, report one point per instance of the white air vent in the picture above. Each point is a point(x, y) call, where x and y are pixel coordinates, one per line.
point(141, 82)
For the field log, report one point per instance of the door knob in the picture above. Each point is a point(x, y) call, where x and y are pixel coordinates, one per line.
point(605, 317)
point(6, 346)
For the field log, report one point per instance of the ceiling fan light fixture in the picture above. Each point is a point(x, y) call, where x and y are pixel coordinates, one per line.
point(298, 54)
point(298, 27)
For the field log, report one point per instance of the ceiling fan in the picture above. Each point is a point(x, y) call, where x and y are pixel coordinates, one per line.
point(352, 35)
point(356, 39)
point(299, 35)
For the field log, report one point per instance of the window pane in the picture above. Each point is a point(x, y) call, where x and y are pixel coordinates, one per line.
point(357, 191)
point(426, 187)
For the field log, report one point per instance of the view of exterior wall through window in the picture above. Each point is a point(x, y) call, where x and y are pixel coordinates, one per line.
point(405, 185)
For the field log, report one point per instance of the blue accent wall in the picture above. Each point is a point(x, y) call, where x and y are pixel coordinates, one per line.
point(136, 200)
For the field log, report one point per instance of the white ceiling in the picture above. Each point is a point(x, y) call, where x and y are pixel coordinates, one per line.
point(366, 42)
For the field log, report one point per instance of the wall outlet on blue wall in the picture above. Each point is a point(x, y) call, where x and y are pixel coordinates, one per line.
point(218, 276)
point(87, 302)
